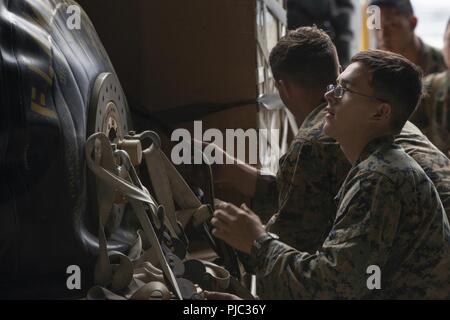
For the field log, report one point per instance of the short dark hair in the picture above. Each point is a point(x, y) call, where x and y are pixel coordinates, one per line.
point(401, 6)
point(394, 79)
point(307, 56)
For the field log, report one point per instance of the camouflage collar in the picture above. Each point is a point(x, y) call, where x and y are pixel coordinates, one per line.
point(310, 123)
point(323, 104)
point(373, 146)
point(429, 59)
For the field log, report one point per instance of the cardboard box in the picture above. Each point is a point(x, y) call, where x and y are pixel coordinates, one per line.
point(178, 53)
point(183, 55)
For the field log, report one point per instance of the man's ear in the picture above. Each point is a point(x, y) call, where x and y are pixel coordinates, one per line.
point(285, 88)
point(413, 22)
point(383, 113)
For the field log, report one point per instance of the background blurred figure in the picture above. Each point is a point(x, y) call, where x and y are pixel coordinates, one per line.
point(397, 34)
point(433, 115)
point(333, 16)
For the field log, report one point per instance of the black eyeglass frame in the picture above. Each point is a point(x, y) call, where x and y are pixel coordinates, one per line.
point(335, 88)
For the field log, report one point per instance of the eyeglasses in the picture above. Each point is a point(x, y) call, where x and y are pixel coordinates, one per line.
point(338, 92)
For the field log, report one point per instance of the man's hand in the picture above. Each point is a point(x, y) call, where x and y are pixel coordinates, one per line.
point(238, 227)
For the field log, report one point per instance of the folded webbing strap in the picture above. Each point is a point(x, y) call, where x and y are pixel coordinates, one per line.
point(153, 290)
point(103, 157)
point(142, 274)
point(137, 195)
point(171, 188)
point(161, 186)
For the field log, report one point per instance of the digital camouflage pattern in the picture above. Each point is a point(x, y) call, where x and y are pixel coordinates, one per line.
point(433, 114)
point(310, 175)
point(431, 60)
point(265, 201)
point(313, 170)
point(389, 215)
point(435, 164)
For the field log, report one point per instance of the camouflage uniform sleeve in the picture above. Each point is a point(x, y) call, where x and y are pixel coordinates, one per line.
point(265, 201)
point(308, 184)
point(361, 236)
point(431, 60)
point(437, 63)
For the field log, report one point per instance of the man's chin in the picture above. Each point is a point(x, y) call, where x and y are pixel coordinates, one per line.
point(328, 129)
point(385, 46)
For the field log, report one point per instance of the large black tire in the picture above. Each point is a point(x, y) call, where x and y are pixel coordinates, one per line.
point(47, 72)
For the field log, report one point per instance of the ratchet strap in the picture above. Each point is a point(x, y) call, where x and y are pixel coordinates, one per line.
point(150, 269)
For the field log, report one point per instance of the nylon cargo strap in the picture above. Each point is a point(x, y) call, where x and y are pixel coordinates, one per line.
point(136, 276)
point(105, 274)
point(171, 188)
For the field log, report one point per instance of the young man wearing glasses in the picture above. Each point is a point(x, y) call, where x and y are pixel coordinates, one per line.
point(314, 168)
point(389, 215)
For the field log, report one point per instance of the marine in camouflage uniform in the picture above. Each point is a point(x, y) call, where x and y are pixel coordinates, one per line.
point(309, 177)
point(389, 215)
point(313, 170)
point(433, 114)
point(429, 59)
